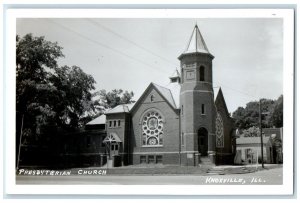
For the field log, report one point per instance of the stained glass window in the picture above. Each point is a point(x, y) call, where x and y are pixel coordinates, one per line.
point(219, 132)
point(152, 129)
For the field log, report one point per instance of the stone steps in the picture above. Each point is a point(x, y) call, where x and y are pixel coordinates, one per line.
point(204, 160)
point(216, 171)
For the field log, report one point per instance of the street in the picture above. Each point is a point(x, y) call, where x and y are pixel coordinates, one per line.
point(265, 177)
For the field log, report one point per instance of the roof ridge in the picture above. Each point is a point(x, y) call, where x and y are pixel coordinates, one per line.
point(161, 86)
point(172, 102)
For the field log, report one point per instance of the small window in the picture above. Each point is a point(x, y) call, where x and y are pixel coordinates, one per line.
point(181, 109)
point(115, 123)
point(202, 109)
point(151, 159)
point(152, 98)
point(116, 147)
point(159, 159)
point(182, 138)
point(119, 123)
point(173, 80)
point(110, 123)
point(112, 147)
point(202, 73)
point(142, 159)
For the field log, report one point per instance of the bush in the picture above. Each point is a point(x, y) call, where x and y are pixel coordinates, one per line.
point(259, 160)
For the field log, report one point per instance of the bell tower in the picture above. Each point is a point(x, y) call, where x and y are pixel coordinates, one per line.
point(197, 101)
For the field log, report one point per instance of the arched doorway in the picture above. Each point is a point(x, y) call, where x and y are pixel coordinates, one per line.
point(202, 141)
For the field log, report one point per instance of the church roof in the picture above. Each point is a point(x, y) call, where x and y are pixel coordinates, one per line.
point(175, 74)
point(97, 121)
point(220, 101)
point(112, 137)
point(175, 91)
point(122, 108)
point(166, 93)
point(196, 43)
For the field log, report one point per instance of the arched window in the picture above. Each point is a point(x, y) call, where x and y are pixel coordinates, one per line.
point(202, 109)
point(152, 129)
point(152, 98)
point(202, 73)
point(219, 132)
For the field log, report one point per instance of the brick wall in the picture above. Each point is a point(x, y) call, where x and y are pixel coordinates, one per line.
point(170, 148)
point(225, 155)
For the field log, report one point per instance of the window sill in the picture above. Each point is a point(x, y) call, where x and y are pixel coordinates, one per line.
point(113, 127)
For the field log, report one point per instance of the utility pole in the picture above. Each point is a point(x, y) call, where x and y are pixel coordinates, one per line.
point(20, 142)
point(261, 137)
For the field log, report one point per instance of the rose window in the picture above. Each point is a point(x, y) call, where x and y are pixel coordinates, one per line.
point(152, 128)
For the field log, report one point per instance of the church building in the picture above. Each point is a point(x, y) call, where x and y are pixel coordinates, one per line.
point(181, 124)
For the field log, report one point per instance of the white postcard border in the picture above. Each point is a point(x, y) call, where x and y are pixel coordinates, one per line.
point(288, 77)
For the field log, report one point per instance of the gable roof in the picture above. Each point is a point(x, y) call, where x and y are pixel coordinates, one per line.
point(122, 108)
point(175, 91)
point(251, 140)
point(112, 137)
point(97, 121)
point(220, 100)
point(165, 93)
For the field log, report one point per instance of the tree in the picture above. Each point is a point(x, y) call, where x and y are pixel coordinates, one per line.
point(34, 56)
point(277, 114)
point(238, 116)
point(48, 97)
point(252, 132)
point(114, 98)
point(277, 149)
point(47, 93)
point(72, 99)
point(248, 117)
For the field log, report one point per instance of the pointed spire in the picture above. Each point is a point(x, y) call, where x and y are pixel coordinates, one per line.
point(196, 43)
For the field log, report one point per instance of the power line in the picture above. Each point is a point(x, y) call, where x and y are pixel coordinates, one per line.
point(239, 91)
point(128, 56)
point(106, 46)
point(130, 41)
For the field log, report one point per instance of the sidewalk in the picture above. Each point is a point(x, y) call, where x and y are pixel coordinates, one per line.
point(240, 169)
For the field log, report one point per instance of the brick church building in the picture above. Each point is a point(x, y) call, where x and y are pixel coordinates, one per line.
point(181, 124)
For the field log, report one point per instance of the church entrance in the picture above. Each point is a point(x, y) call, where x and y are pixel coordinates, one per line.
point(113, 143)
point(202, 141)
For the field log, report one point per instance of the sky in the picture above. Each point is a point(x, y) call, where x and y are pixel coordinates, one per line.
point(129, 54)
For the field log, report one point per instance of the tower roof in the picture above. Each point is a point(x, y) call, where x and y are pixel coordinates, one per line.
point(196, 43)
point(175, 74)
